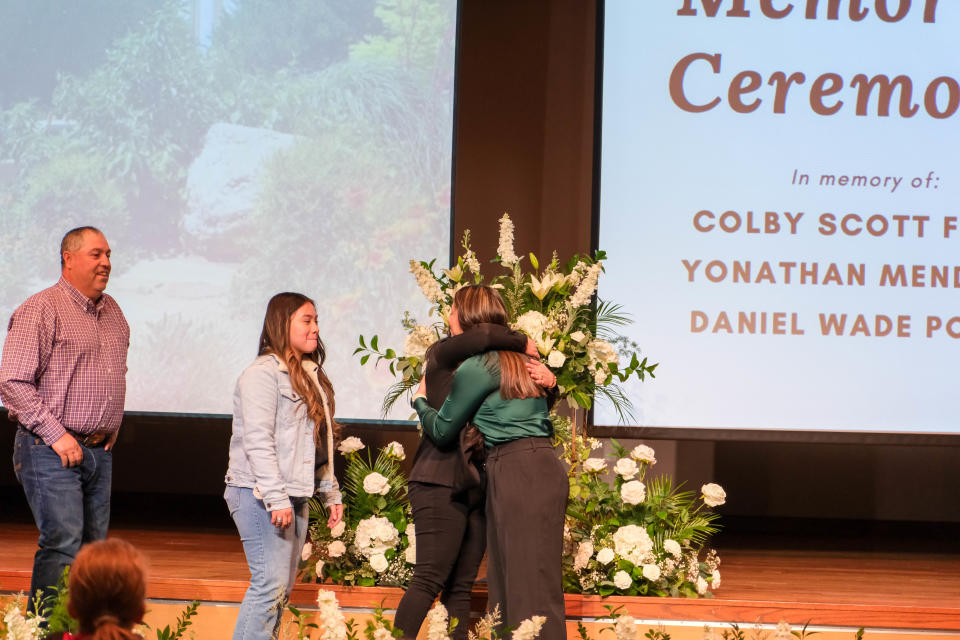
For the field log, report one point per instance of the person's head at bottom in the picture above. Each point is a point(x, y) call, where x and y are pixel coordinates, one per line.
point(107, 590)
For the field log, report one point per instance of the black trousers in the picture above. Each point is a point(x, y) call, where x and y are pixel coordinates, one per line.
point(450, 546)
point(527, 492)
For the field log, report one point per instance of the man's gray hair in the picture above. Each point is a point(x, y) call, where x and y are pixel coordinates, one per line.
point(73, 239)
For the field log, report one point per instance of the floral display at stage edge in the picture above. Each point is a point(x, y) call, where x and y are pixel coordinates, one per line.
point(627, 532)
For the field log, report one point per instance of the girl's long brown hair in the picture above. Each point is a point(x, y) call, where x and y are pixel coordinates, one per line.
point(107, 590)
point(477, 304)
point(275, 339)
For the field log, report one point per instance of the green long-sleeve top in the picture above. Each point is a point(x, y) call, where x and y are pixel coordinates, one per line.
point(475, 396)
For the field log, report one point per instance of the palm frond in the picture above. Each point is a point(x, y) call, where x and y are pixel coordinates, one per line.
point(621, 403)
point(609, 316)
point(396, 390)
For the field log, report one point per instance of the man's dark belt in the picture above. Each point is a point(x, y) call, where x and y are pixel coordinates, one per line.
point(95, 439)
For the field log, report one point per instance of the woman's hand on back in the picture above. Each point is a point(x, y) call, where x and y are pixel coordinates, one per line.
point(541, 374)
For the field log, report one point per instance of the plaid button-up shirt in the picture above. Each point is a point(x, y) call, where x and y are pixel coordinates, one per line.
point(65, 362)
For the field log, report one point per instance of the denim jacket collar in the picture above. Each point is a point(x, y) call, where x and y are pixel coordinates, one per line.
point(313, 372)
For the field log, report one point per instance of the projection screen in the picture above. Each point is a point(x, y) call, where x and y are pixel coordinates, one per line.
point(230, 150)
point(779, 200)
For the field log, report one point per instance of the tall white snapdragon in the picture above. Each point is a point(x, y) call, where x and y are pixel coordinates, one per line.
point(505, 246)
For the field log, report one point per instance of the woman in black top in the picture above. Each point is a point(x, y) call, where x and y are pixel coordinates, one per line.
point(446, 492)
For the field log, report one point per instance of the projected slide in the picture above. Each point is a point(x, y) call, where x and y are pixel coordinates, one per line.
point(780, 200)
point(229, 150)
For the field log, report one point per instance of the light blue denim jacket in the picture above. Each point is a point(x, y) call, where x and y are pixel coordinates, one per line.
point(272, 449)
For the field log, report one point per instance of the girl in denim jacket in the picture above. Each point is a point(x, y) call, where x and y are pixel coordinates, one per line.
point(281, 452)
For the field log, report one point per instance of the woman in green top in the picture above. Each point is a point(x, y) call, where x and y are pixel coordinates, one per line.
point(526, 484)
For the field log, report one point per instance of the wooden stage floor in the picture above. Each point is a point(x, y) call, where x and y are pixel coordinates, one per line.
point(915, 589)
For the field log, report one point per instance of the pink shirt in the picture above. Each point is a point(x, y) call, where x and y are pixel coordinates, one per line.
point(65, 362)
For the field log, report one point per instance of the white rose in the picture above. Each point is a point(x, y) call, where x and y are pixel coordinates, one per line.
point(577, 336)
point(375, 483)
point(605, 555)
point(716, 579)
point(633, 492)
point(338, 529)
point(411, 554)
point(672, 547)
point(556, 359)
point(651, 572)
point(643, 453)
point(378, 562)
point(306, 551)
point(351, 444)
point(713, 495)
point(395, 450)
point(319, 568)
point(336, 549)
point(594, 465)
point(626, 467)
point(621, 580)
point(382, 634)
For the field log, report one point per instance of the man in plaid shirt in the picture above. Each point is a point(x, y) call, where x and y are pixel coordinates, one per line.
point(63, 379)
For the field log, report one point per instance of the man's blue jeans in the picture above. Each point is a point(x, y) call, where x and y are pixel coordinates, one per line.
point(71, 505)
point(273, 555)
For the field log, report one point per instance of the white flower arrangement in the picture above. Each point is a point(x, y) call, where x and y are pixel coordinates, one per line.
point(551, 305)
point(366, 548)
point(637, 524)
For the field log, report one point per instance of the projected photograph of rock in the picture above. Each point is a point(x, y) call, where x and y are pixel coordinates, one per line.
point(225, 164)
